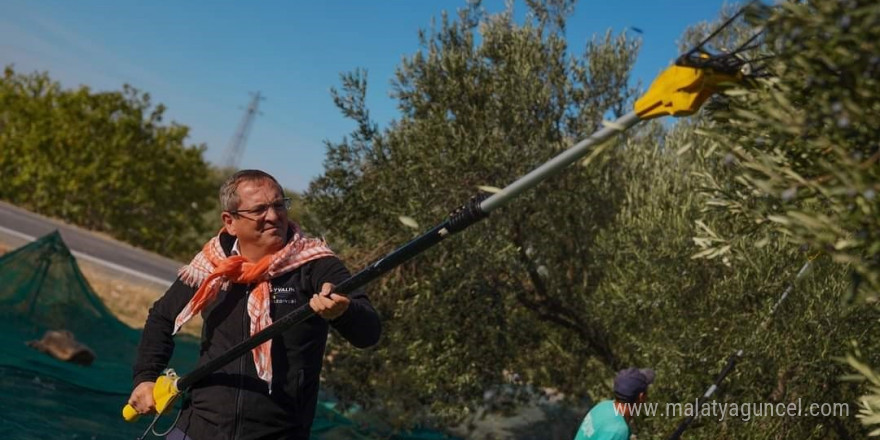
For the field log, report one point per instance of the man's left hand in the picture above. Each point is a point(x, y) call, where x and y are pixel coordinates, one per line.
point(327, 304)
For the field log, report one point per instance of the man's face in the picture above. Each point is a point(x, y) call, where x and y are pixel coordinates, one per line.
point(266, 230)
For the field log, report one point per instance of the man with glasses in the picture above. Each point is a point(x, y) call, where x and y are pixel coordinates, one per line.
point(259, 268)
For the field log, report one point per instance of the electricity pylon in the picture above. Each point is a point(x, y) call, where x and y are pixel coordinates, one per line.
point(235, 150)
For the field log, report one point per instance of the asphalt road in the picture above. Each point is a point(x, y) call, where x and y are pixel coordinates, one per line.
point(18, 226)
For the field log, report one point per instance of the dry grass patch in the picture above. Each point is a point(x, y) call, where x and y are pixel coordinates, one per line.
point(128, 297)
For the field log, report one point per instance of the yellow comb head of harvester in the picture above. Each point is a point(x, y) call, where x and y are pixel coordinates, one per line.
point(681, 90)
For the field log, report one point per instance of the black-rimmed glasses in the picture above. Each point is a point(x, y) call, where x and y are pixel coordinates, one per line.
point(260, 211)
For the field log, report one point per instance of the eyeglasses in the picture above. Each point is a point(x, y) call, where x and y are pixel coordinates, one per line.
point(260, 211)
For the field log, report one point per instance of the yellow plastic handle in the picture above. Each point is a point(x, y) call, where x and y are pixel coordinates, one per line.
point(164, 394)
point(130, 414)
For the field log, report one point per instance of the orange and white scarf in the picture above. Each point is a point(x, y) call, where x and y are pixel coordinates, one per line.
point(211, 270)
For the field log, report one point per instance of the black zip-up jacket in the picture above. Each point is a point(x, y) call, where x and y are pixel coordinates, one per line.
point(233, 402)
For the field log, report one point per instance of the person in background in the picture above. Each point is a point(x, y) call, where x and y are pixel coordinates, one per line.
point(611, 419)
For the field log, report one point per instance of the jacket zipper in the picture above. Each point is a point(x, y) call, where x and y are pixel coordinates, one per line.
point(238, 398)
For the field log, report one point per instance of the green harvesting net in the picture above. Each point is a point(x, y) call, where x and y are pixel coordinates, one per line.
point(42, 289)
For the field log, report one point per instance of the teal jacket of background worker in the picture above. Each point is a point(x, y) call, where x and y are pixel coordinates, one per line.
point(610, 419)
point(603, 423)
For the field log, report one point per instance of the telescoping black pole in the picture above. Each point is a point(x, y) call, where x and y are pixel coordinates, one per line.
point(475, 210)
point(731, 362)
point(462, 218)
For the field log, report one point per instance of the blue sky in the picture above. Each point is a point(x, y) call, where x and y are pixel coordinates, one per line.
point(201, 59)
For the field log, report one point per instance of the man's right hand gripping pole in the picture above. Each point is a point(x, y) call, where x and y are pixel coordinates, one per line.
point(149, 396)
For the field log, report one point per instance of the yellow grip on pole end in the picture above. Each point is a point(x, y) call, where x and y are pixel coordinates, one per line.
point(165, 392)
point(130, 414)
